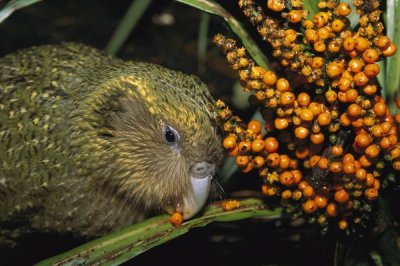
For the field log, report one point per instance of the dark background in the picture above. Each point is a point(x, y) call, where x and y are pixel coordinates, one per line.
point(250, 242)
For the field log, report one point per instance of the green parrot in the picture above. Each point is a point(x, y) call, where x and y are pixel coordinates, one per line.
point(90, 143)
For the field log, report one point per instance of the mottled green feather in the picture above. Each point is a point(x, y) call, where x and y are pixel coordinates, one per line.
point(81, 146)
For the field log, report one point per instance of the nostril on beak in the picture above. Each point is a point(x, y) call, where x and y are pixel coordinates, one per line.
point(202, 169)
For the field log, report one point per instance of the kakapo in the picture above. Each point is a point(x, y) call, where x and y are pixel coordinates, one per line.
point(90, 143)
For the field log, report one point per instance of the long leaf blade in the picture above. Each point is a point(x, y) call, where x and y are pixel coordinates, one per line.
point(133, 240)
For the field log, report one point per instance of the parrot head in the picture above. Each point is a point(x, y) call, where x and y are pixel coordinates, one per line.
point(157, 142)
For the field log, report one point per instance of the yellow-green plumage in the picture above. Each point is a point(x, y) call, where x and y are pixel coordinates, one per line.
point(81, 140)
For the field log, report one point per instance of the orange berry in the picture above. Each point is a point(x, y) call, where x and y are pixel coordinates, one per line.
point(294, 164)
point(343, 9)
point(336, 167)
point(390, 50)
point(319, 46)
point(281, 123)
point(301, 132)
point(364, 161)
point(286, 178)
point(317, 62)
point(380, 109)
point(287, 194)
point(310, 206)
point(371, 193)
point(334, 46)
point(295, 16)
point(324, 119)
point(372, 151)
point(271, 144)
point(308, 191)
point(337, 150)
point(332, 209)
point(343, 224)
point(306, 115)
point(296, 195)
point(349, 168)
point(361, 44)
point(370, 89)
point(321, 201)
point(337, 25)
point(302, 152)
point(244, 146)
point(229, 142)
point(276, 6)
point(333, 69)
point(357, 123)
point(311, 35)
point(258, 161)
point(242, 160)
point(377, 131)
point(372, 70)
point(234, 151)
point(323, 33)
point(255, 126)
point(229, 205)
point(269, 78)
point(342, 96)
point(291, 35)
point(273, 160)
point(282, 85)
point(344, 83)
point(317, 138)
point(315, 108)
point(323, 163)
point(361, 174)
point(344, 120)
point(314, 160)
point(386, 127)
point(302, 185)
point(284, 161)
point(361, 79)
point(287, 98)
point(370, 55)
point(349, 44)
point(395, 153)
point(269, 190)
point(355, 65)
point(341, 196)
point(331, 96)
point(297, 175)
point(385, 143)
point(351, 95)
point(176, 218)
point(257, 145)
point(363, 140)
point(383, 42)
point(377, 184)
point(303, 99)
point(320, 19)
point(348, 158)
point(354, 110)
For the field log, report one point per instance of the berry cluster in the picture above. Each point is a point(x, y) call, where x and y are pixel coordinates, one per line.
point(330, 138)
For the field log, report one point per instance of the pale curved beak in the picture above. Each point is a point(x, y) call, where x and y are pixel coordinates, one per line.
point(201, 176)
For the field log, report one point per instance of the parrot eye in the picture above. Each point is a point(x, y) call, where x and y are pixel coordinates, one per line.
point(171, 136)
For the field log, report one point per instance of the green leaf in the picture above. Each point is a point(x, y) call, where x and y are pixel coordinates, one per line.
point(132, 16)
point(214, 8)
point(13, 6)
point(311, 7)
point(392, 81)
point(133, 240)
